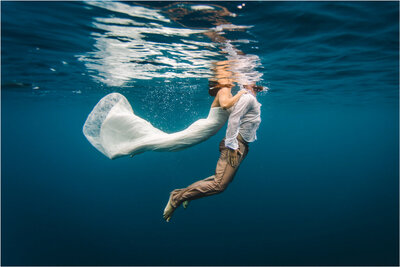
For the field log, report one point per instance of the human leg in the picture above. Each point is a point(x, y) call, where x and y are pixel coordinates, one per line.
point(215, 184)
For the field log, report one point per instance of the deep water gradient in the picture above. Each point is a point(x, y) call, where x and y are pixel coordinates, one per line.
point(319, 186)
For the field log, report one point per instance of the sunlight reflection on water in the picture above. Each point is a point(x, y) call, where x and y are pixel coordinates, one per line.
point(148, 45)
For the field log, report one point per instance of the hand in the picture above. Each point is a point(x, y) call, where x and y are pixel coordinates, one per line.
point(242, 92)
point(233, 157)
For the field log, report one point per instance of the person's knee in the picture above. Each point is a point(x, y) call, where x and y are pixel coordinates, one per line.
point(219, 188)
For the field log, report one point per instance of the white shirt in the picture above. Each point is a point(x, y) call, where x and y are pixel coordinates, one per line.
point(244, 119)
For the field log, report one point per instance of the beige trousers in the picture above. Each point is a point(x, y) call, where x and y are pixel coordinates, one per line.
point(214, 184)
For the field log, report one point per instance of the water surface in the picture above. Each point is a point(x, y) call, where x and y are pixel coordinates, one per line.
point(319, 186)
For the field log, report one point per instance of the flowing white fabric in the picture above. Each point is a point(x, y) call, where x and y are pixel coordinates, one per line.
point(114, 129)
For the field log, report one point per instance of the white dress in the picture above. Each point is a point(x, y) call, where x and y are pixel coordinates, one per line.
point(116, 131)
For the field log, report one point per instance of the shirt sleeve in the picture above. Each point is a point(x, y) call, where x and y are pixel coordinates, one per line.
point(232, 131)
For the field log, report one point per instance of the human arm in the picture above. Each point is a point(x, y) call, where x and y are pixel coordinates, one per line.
point(233, 157)
point(226, 101)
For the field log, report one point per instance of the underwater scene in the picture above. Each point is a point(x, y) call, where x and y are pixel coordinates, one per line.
point(319, 185)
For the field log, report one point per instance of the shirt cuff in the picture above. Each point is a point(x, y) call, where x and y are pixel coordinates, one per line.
point(231, 143)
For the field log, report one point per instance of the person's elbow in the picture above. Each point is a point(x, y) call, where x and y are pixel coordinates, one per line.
point(225, 105)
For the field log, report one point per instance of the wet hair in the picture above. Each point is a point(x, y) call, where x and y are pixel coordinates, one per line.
point(258, 88)
point(214, 87)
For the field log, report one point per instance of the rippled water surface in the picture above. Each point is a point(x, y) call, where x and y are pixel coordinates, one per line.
point(319, 186)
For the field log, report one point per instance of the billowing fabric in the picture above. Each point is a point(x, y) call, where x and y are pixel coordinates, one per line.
point(114, 129)
point(245, 118)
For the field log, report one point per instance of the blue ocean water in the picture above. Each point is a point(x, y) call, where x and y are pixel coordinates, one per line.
point(319, 187)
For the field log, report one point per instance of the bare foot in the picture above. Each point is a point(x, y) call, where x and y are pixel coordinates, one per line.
point(169, 210)
point(185, 204)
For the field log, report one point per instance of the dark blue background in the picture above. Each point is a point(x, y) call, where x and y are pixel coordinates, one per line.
point(319, 186)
